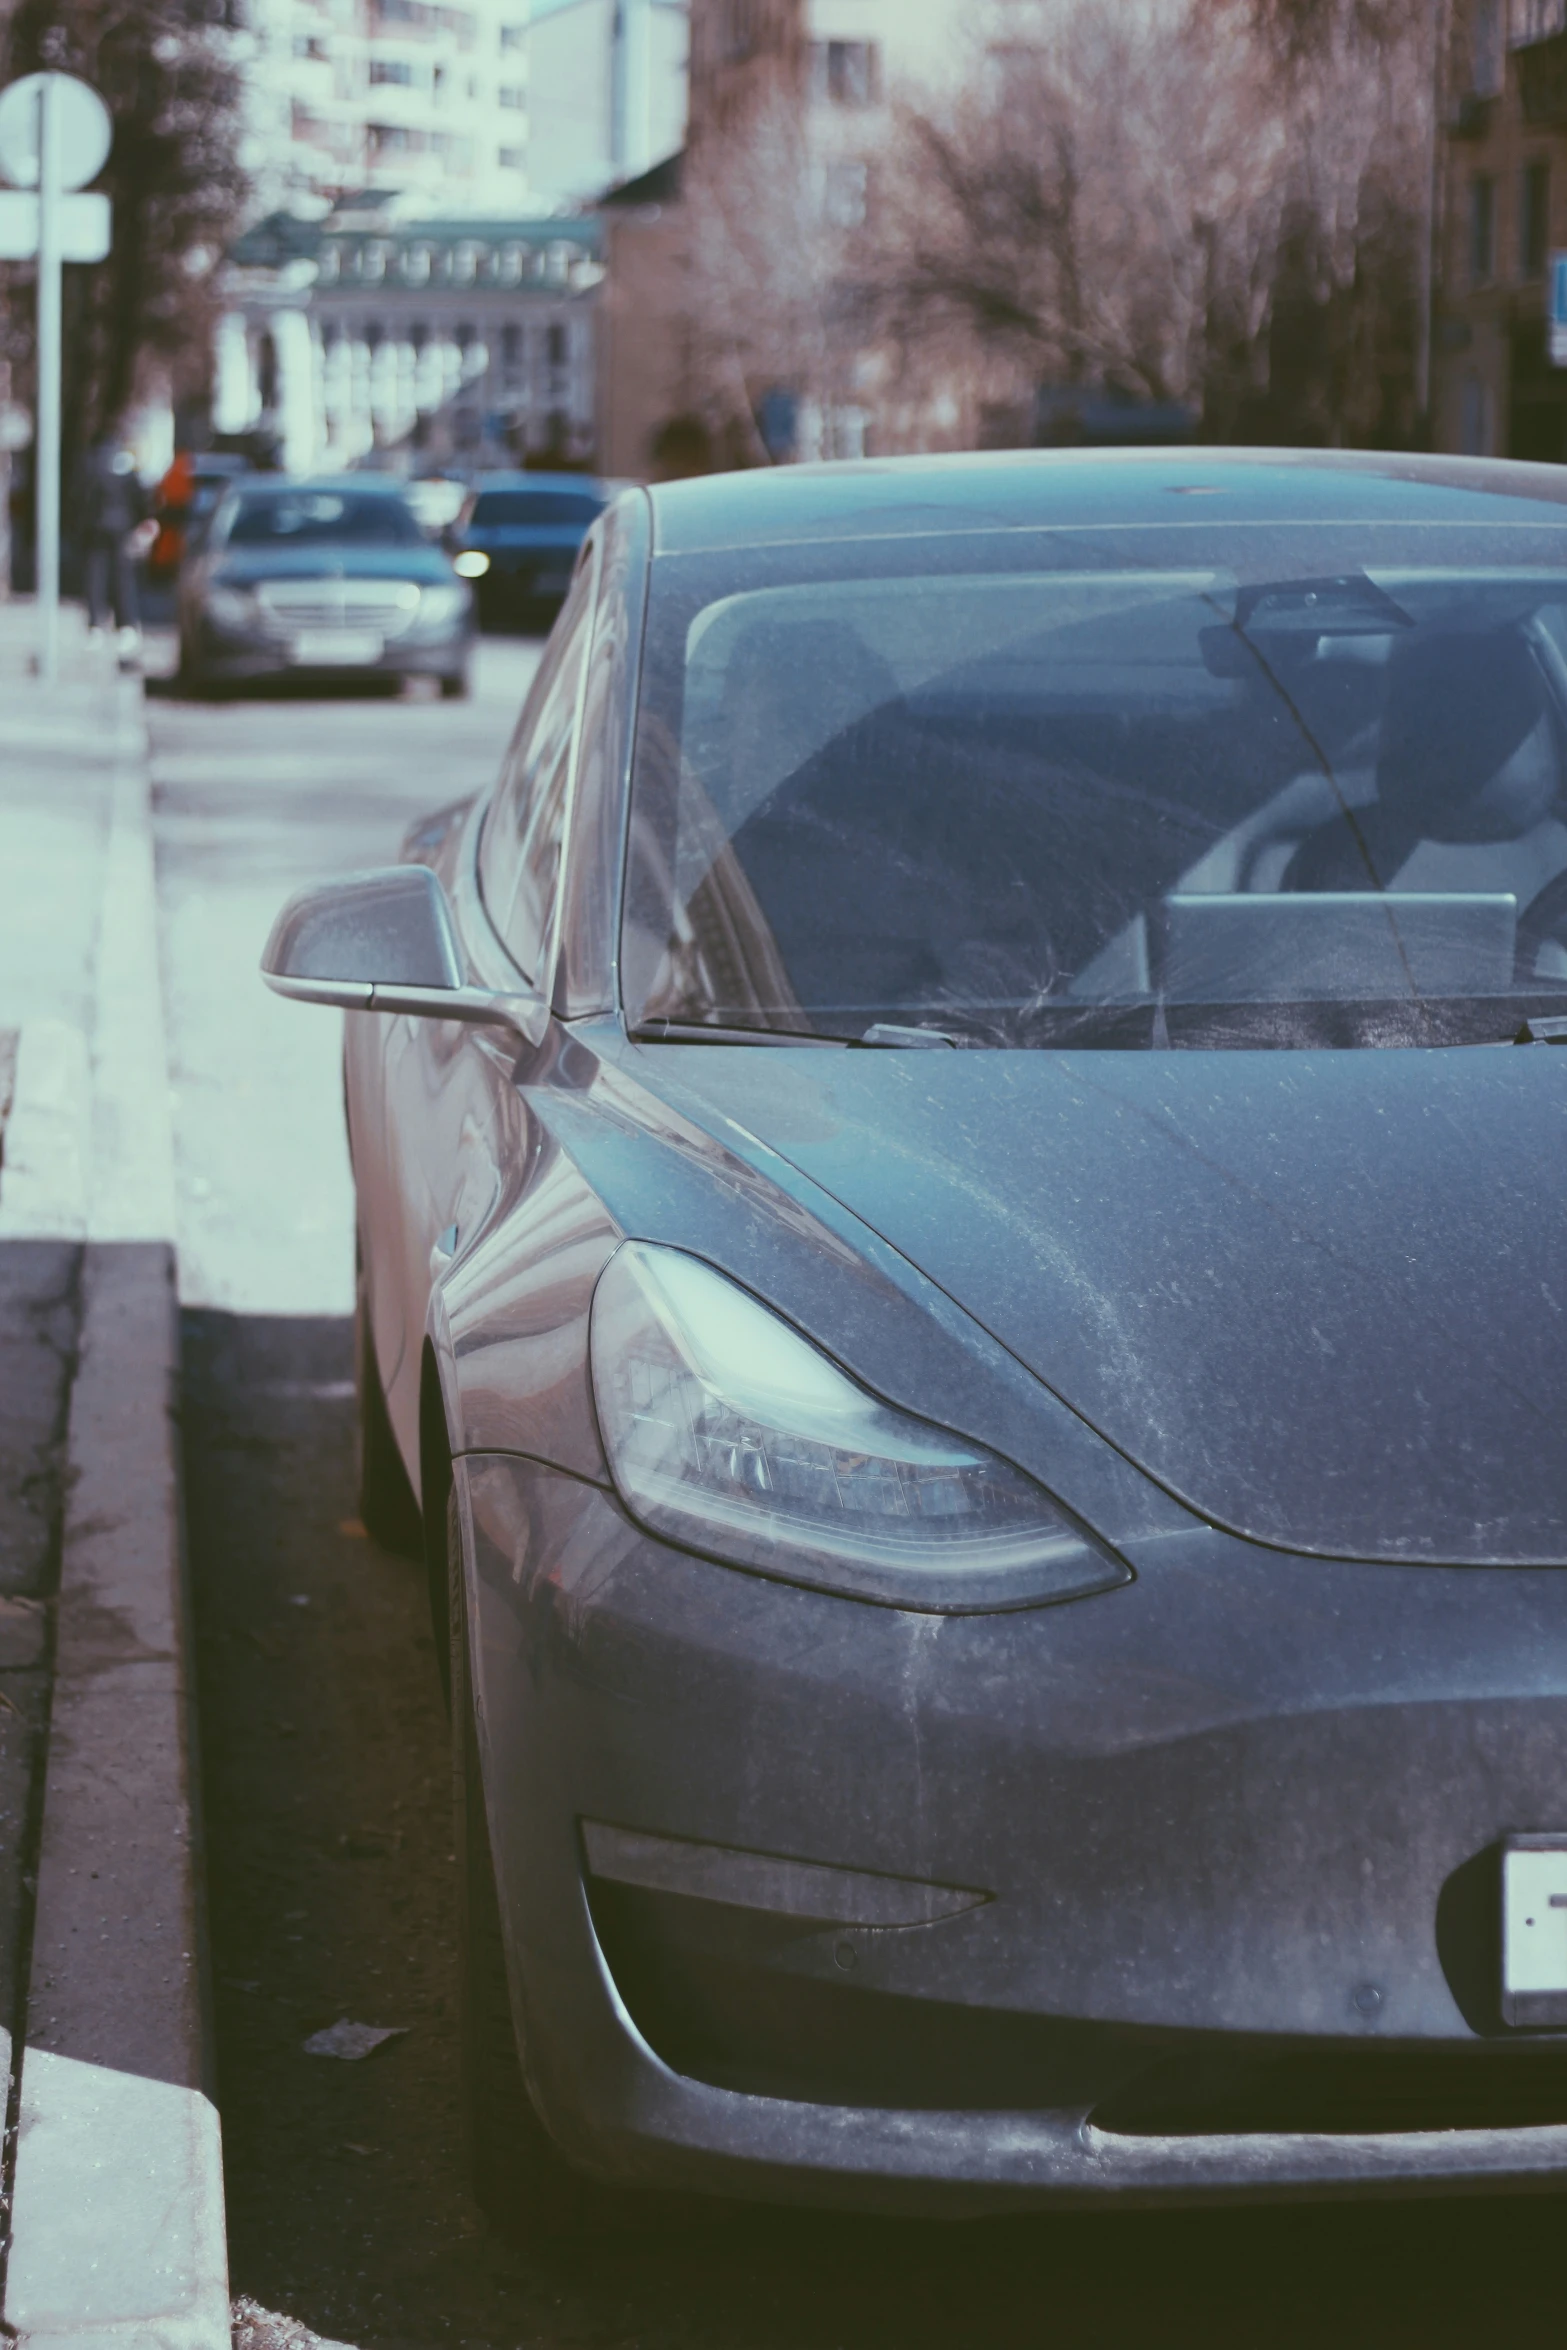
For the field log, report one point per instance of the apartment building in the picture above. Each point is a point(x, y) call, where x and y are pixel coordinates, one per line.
point(1499, 378)
point(425, 97)
point(607, 83)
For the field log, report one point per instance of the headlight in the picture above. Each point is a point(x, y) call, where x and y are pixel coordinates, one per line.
point(472, 563)
point(732, 1434)
point(440, 604)
point(231, 607)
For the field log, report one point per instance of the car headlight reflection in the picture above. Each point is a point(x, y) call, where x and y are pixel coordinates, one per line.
point(730, 1433)
point(437, 605)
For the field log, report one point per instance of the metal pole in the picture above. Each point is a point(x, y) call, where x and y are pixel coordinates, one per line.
point(48, 470)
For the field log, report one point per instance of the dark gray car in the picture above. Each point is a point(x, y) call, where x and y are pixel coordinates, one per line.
point(965, 1274)
point(322, 579)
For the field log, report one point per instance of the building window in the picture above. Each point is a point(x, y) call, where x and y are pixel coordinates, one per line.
point(510, 96)
point(310, 46)
point(1537, 20)
point(846, 73)
point(1482, 229)
point(845, 194)
point(512, 159)
point(737, 30)
point(392, 70)
point(1486, 56)
point(511, 349)
point(514, 36)
point(555, 344)
point(1474, 419)
point(416, 265)
point(1534, 219)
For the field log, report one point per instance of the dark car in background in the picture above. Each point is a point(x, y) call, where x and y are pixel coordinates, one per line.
point(330, 579)
point(962, 1262)
point(518, 538)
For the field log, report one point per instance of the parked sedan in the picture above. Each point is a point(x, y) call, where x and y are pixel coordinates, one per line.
point(518, 538)
point(321, 579)
point(964, 1273)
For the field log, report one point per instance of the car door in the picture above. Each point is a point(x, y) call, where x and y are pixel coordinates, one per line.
point(447, 1086)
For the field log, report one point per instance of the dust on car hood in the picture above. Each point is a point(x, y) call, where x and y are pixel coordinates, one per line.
point(1321, 1297)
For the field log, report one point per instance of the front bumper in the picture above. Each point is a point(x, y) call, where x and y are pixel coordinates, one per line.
point(227, 656)
point(1236, 1825)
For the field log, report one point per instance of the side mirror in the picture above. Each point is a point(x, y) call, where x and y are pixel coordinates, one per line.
point(385, 942)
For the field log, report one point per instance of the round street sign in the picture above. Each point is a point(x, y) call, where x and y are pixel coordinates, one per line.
point(85, 131)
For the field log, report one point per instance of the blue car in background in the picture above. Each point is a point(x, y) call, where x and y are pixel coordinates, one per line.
point(517, 540)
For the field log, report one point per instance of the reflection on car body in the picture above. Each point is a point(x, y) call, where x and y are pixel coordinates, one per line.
point(1010, 1635)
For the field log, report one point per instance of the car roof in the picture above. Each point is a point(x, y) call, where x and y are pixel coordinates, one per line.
point(541, 482)
point(279, 485)
point(1042, 489)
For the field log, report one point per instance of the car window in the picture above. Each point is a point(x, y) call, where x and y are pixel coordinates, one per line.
point(534, 508)
point(305, 518)
point(1150, 804)
point(519, 852)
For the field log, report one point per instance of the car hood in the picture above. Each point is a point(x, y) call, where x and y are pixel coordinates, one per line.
point(244, 566)
point(1320, 1297)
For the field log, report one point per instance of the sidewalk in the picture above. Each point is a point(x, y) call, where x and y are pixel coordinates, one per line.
point(112, 2163)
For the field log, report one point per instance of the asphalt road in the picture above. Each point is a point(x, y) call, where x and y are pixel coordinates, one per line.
point(325, 1756)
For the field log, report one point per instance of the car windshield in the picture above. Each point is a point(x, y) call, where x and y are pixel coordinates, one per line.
point(1106, 788)
point(312, 518)
point(534, 509)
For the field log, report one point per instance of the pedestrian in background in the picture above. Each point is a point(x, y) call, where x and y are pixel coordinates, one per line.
point(113, 508)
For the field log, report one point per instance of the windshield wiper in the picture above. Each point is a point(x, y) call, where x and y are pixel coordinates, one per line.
point(725, 1032)
point(892, 1036)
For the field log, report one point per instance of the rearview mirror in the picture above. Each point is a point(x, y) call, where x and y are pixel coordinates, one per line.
point(385, 942)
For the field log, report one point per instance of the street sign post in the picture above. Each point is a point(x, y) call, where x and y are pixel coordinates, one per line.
point(84, 227)
point(55, 135)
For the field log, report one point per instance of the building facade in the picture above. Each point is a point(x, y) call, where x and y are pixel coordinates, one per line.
point(411, 342)
point(1497, 387)
point(607, 83)
point(841, 64)
point(425, 97)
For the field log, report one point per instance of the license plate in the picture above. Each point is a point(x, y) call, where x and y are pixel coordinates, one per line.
point(1534, 1931)
point(337, 648)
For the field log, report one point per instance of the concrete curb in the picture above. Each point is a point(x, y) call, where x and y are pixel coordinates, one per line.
point(117, 2223)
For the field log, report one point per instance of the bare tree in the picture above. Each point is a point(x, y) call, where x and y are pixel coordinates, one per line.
point(1216, 202)
point(164, 69)
point(773, 254)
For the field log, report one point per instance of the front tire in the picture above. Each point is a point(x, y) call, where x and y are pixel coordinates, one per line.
point(387, 1508)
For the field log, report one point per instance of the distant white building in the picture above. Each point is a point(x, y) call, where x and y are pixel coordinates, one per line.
point(608, 92)
point(424, 97)
point(411, 340)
